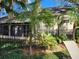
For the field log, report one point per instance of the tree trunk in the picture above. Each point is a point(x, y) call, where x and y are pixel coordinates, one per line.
point(74, 29)
point(30, 48)
point(30, 43)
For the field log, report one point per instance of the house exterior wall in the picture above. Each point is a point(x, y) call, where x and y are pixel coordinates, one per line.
point(66, 27)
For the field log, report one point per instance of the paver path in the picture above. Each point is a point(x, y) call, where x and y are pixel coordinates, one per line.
point(72, 49)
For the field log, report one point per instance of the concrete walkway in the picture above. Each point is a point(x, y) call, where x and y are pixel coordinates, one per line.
point(72, 49)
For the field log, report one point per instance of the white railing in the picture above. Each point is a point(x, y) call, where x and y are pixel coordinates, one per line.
point(12, 37)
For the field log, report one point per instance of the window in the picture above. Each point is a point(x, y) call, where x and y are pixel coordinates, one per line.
point(15, 29)
point(4, 29)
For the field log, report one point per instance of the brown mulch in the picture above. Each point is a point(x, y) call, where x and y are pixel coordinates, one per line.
point(59, 48)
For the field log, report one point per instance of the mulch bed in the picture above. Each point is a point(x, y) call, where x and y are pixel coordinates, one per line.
point(36, 50)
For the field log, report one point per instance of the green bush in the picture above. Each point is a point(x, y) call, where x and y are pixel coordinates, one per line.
point(50, 56)
point(45, 56)
point(48, 40)
point(62, 37)
point(77, 35)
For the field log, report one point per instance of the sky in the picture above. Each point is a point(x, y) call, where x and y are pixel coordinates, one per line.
point(51, 3)
point(44, 4)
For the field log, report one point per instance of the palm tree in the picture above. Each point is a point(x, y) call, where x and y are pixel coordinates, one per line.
point(33, 17)
point(36, 15)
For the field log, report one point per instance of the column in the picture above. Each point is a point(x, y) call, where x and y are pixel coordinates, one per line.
point(9, 30)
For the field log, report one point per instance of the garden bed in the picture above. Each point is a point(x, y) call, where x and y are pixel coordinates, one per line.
point(37, 53)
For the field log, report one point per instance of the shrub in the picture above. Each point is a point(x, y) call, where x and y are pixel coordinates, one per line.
point(50, 56)
point(48, 40)
point(77, 35)
point(62, 37)
point(45, 56)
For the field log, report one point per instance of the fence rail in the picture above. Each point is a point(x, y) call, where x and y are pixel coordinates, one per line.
point(12, 37)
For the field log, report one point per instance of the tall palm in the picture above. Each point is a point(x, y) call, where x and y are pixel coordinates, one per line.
point(34, 20)
point(35, 16)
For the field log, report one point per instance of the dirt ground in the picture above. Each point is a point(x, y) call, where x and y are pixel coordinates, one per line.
point(59, 48)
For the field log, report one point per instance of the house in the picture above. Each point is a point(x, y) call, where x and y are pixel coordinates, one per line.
point(65, 26)
point(3, 15)
point(12, 29)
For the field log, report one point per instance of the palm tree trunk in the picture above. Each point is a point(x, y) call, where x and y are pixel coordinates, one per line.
point(30, 47)
point(74, 29)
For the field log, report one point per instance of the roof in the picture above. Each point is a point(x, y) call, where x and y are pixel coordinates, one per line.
point(44, 4)
point(17, 21)
point(17, 8)
point(30, 1)
point(3, 13)
point(68, 4)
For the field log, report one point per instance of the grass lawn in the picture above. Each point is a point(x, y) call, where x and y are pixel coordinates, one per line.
point(21, 54)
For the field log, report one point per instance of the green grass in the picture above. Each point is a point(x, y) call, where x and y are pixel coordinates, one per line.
point(18, 54)
point(13, 55)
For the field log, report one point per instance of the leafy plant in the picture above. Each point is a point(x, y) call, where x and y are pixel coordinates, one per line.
point(62, 37)
point(48, 41)
point(77, 35)
point(50, 56)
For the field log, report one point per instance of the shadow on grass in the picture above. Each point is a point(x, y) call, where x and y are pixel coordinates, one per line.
point(62, 55)
point(12, 52)
point(18, 54)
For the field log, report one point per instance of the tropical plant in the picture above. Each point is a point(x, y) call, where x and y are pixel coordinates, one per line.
point(50, 56)
point(77, 35)
point(72, 16)
point(63, 37)
point(75, 9)
point(36, 16)
point(47, 40)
